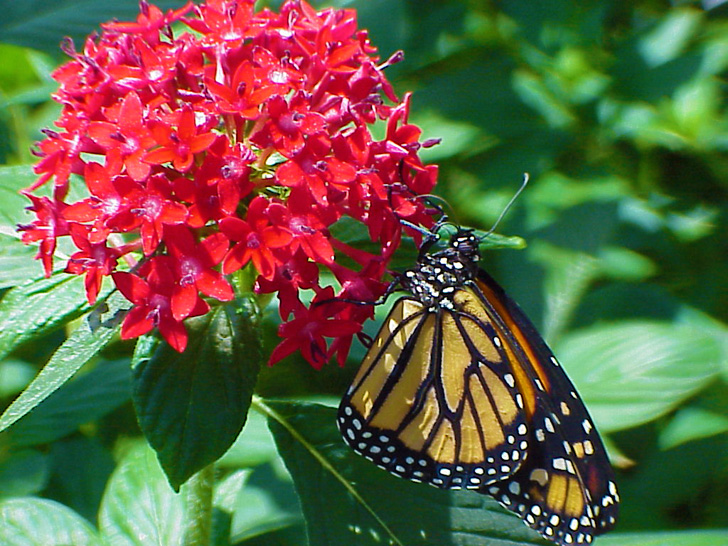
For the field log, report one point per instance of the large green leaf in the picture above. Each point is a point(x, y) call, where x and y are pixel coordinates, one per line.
point(17, 262)
point(569, 274)
point(632, 372)
point(192, 406)
point(83, 400)
point(34, 309)
point(40, 522)
point(348, 500)
point(139, 508)
point(83, 344)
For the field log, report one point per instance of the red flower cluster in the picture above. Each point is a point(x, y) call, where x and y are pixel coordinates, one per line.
point(241, 142)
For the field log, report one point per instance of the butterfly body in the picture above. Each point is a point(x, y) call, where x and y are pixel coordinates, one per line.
point(458, 390)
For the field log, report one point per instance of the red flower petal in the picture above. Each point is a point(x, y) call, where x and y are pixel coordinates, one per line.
point(136, 323)
point(135, 289)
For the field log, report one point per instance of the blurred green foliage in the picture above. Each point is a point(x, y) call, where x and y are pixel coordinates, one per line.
point(616, 108)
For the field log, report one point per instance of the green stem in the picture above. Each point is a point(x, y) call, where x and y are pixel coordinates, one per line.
point(198, 497)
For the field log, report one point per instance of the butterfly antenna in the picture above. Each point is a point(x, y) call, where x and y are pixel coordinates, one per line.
point(508, 206)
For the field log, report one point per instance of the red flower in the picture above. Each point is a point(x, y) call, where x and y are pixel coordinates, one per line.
point(306, 332)
point(298, 273)
point(93, 259)
point(147, 209)
point(105, 201)
point(307, 232)
point(150, 22)
point(220, 182)
point(126, 135)
point(319, 174)
point(257, 238)
point(47, 228)
point(157, 67)
point(193, 266)
point(250, 128)
point(152, 299)
point(243, 96)
point(290, 125)
point(178, 145)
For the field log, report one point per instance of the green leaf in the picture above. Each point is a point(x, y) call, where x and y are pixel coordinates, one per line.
point(673, 35)
point(40, 522)
point(23, 473)
point(35, 309)
point(457, 137)
point(12, 203)
point(227, 489)
point(632, 372)
point(624, 264)
point(348, 500)
point(670, 538)
point(139, 508)
point(254, 446)
point(14, 376)
point(691, 424)
point(569, 275)
point(266, 503)
point(84, 343)
point(705, 323)
point(80, 486)
point(80, 401)
point(17, 262)
point(192, 406)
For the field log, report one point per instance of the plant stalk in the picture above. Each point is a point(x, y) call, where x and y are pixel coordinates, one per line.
point(198, 498)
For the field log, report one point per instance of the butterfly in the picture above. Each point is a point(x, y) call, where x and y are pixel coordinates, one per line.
point(459, 390)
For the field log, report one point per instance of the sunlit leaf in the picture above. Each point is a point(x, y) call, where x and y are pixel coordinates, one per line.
point(17, 262)
point(139, 507)
point(690, 424)
point(39, 307)
point(41, 522)
point(632, 372)
point(84, 343)
point(85, 399)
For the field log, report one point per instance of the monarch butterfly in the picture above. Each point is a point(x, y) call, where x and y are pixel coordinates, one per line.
point(458, 390)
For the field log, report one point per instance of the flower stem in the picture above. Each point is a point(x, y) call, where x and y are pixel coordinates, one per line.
point(198, 497)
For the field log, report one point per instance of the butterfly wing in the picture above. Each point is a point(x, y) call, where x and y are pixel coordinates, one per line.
point(565, 489)
point(430, 402)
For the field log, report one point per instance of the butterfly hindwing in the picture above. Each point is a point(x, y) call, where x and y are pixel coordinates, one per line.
point(430, 403)
point(565, 489)
point(459, 390)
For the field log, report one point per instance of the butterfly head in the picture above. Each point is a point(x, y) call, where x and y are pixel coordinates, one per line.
point(466, 243)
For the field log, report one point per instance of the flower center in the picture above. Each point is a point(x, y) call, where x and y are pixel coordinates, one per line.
point(253, 241)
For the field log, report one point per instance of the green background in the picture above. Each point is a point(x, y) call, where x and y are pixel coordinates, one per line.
point(617, 111)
